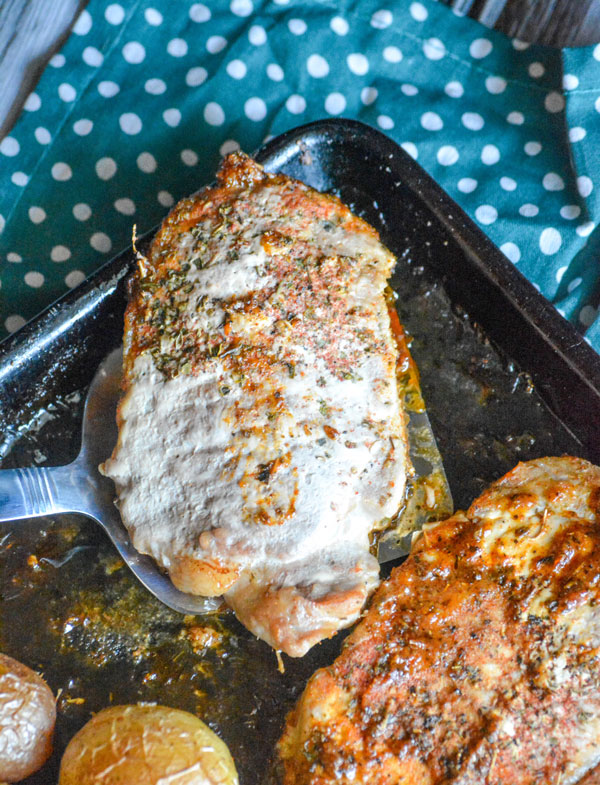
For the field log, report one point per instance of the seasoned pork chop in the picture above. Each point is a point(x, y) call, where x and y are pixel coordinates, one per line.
point(261, 435)
point(478, 660)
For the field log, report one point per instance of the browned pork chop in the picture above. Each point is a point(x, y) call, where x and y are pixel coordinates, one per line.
point(478, 661)
point(261, 434)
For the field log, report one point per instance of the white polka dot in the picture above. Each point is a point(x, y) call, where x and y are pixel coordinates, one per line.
point(199, 13)
point(584, 186)
point(114, 14)
point(189, 157)
point(255, 109)
point(520, 46)
point(382, 19)
point(14, 322)
point(9, 146)
point(357, 63)
point(43, 134)
point(101, 242)
point(229, 146)
point(574, 284)
point(508, 184)
point(74, 278)
point(554, 102)
point(577, 133)
point(106, 168)
point(177, 47)
point(33, 103)
point(418, 12)
point(529, 210)
point(596, 52)
point(570, 82)
point(196, 76)
point(447, 155)
point(536, 70)
point(560, 273)
point(532, 148)
point(36, 215)
point(480, 47)
point(295, 104)
point(409, 89)
point(486, 214)
point(550, 241)
point(108, 89)
point(570, 211)
point(392, 54)
point(368, 95)
point(60, 253)
point(317, 66)
point(237, 69)
point(339, 25)
point(92, 56)
point(153, 17)
point(130, 123)
point(172, 117)
point(490, 154)
point(216, 44)
point(275, 72)
point(34, 279)
point(454, 89)
point(155, 86)
point(411, 149)
point(335, 103)
point(165, 198)
point(515, 118)
point(61, 171)
point(511, 251)
point(583, 230)
point(19, 178)
point(257, 35)
point(214, 114)
point(587, 315)
point(134, 52)
point(431, 121)
point(82, 127)
point(553, 182)
point(83, 25)
point(495, 85)
point(385, 122)
point(125, 206)
point(472, 121)
point(434, 49)
point(466, 185)
point(67, 92)
point(241, 7)
point(57, 61)
point(13, 257)
point(146, 163)
point(2, 223)
point(297, 26)
point(82, 211)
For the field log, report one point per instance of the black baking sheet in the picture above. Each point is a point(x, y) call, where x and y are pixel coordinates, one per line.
point(504, 376)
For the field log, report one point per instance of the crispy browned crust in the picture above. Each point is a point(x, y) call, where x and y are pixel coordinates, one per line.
point(465, 669)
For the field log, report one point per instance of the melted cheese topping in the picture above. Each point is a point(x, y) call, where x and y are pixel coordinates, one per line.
point(261, 430)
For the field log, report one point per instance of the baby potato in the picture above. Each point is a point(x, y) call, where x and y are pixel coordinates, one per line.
point(146, 745)
point(27, 717)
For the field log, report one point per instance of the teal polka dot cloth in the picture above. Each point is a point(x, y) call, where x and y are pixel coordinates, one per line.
point(146, 96)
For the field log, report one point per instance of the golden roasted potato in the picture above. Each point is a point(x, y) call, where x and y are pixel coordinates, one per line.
point(146, 745)
point(27, 717)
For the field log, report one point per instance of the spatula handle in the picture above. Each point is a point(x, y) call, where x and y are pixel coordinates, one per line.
point(30, 493)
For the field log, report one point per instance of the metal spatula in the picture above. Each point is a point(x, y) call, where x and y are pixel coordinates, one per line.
point(79, 487)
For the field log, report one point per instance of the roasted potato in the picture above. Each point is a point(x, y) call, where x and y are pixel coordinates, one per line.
point(146, 745)
point(27, 717)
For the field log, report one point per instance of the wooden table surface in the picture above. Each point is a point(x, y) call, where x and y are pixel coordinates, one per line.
point(32, 30)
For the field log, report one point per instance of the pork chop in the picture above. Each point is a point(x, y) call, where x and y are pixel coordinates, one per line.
point(261, 435)
point(478, 660)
